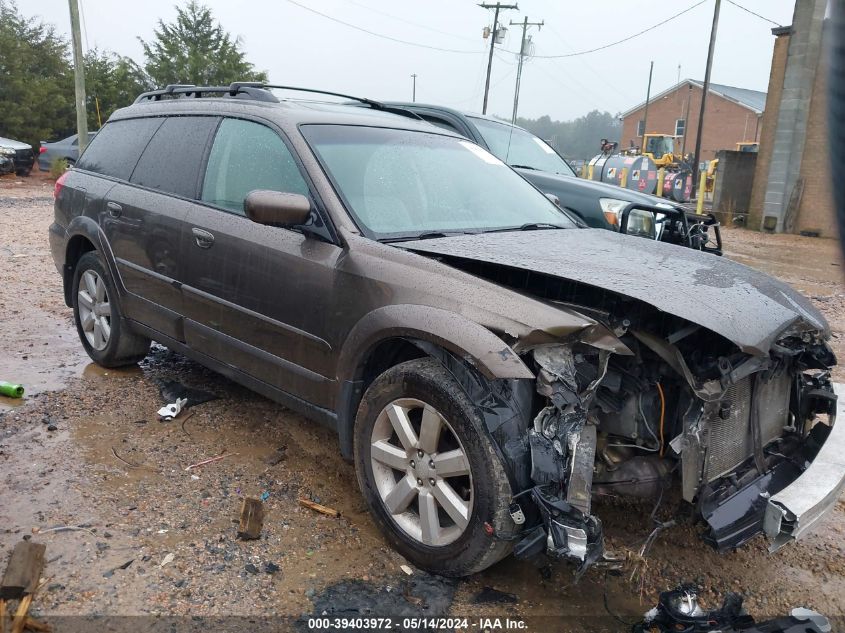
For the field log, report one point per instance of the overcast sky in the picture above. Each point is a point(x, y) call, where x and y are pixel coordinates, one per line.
point(299, 47)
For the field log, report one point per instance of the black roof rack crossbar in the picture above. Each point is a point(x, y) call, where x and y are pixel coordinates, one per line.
point(259, 91)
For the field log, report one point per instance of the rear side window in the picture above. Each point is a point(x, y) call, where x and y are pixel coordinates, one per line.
point(116, 148)
point(173, 158)
point(247, 156)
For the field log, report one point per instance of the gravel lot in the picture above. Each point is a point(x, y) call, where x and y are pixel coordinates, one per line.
point(111, 468)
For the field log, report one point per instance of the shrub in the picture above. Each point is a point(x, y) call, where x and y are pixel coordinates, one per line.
point(58, 167)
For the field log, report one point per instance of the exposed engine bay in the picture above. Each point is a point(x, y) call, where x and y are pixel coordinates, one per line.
point(684, 405)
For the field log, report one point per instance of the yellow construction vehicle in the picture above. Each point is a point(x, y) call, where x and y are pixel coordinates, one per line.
point(661, 149)
point(748, 146)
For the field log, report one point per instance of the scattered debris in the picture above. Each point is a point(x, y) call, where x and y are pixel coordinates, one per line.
point(64, 528)
point(265, 495)
point(208, 461)
point(131, 464)
point(250, 568)
point(252, 519)
point(407, 569)
point(489, 595)
point(170, 411)
point(167, 559)
point(185, 419)
point(424, 594)
point(678, 610)
point(11, 390)
point(172, 391)
point(271, 568)
point(318, 507)
point(23, 570)
point(52, 427)
point(20, 582)
point(276, 456)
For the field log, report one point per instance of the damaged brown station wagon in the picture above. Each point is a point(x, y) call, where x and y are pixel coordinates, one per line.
point(489, 366)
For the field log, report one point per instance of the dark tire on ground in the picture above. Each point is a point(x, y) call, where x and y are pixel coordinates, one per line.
point(23, 172)
point(474, 550)
point(123, 347)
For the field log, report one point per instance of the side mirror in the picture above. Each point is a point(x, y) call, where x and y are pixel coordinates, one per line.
point(275, 208)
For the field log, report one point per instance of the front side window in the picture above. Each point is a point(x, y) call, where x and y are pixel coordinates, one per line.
point(248, 156)
point(519, 148)
point(680, 127)
point(403, 183)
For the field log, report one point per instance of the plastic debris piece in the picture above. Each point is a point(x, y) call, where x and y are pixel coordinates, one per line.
point(407, 569)
point(265, 495)
point(207, 461)
point(167, 559)
point(170, 411)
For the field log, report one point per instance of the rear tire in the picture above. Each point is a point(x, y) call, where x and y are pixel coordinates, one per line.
point(433, 485)
point(99, 322)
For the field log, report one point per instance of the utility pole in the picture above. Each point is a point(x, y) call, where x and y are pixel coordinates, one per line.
point(79, 77)
point(645, 115)
point(522, 53)
point(493, 33)
point(705, 90)
point(414, 89)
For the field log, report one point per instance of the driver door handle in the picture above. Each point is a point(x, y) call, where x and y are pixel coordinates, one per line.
point(203, 238)
point(114, 209)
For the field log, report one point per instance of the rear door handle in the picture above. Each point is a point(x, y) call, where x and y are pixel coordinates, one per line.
point(203, 238)
point(114, 209)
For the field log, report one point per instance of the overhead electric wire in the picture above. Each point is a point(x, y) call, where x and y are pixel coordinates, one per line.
point(617, 42)
point(382, 35)
point(410, 22)
point(747, 10)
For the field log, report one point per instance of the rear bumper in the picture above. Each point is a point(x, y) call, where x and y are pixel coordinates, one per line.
point(797, 508)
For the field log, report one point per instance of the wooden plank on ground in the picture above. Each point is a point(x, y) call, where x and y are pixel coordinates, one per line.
point(318, 507)
point(252, 518)
point(23, 571)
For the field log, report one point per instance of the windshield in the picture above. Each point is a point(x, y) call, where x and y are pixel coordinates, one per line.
point(660, 145)
point(519, 148)
point(402, 183)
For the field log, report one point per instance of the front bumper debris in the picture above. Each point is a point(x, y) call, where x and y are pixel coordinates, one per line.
point(798, 507)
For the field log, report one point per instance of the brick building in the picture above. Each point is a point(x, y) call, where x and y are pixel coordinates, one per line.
point(792, 181)
point(732, 115)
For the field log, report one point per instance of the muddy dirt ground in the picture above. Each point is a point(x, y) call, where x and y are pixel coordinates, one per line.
point(84, 449)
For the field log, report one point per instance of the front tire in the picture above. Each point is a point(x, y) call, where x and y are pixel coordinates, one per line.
point(99, 322)
point(429, 472)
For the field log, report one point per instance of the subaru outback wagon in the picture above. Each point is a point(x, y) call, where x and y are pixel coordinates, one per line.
point(488, 366)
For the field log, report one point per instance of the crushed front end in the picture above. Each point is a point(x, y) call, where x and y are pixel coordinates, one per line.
point(750, 438)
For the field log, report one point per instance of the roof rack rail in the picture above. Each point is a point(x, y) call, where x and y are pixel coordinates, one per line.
point(259, 91)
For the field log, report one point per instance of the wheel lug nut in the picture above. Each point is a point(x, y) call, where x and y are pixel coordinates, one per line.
point(431, 463)
point(419, 453)
point(431, 481)
point(413, 464)
point(419, 482)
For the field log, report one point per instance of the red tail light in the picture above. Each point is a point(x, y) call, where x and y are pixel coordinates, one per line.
point(60, 182)
point(42, 149)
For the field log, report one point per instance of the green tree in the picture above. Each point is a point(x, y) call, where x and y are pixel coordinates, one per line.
point(195, 49)
point(36, 81)
point(578, 138)
point(111, 82)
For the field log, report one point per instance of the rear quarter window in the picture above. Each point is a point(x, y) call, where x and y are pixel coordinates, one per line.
point(173, 158)
point(117, 147)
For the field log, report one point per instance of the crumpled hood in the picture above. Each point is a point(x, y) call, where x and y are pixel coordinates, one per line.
point(747, 307)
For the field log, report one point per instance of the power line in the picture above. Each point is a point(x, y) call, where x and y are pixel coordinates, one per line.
point(762, 17)
point(381, 35)
point(630, 37)
point(409, 22)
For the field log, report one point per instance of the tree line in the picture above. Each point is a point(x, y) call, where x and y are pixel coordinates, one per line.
point(36, 70)
point(578, 138)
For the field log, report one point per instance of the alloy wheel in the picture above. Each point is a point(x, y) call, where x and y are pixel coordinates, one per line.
point(422, 472)
point(94, 309)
